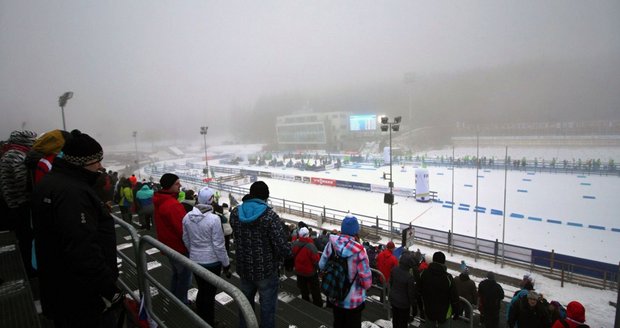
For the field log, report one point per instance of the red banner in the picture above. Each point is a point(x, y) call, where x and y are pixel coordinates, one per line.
point(324, 182)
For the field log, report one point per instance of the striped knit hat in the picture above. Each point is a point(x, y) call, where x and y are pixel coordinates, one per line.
point(82, 150)
point(22, 137)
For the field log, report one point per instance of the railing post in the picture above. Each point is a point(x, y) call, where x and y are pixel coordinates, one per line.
point(618, 300)
point(302, 209)
point(495, 251)
point(551, 262)
point(377, 225)
point(562, 277)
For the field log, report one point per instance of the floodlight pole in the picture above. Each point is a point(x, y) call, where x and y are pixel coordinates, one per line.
point(394, 125)
point(203, 131)
point(62, 101)
point(62, 110)
point(391, 216)
point(135, 142)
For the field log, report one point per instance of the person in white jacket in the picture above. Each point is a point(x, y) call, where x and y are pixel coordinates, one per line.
point(204, 238)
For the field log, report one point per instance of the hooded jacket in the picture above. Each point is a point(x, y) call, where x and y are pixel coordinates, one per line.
point(168, 217)
point(76, 242)
point(466, 288)
point(490, 295)
point(386, 261)
point(262, 243)
point(144, 196)
point(357, 262)
point(575, 316)
point(306, 257)
point(203, 236)
point(438, 292)
point(403, 290)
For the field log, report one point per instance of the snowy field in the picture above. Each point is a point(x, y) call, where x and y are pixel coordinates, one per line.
point(543, 211)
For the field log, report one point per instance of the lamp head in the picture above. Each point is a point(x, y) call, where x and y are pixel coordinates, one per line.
point(384, 128)
point(397, 119)
point(384, 119)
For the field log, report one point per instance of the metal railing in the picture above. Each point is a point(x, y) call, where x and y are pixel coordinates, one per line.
point(145, 279)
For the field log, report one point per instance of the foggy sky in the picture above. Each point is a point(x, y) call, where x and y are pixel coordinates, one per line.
point(164, 68)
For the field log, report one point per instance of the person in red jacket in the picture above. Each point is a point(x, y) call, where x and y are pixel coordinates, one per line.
point(168, 215)
point(306, 264)
point(386, 261)
point(575, 316)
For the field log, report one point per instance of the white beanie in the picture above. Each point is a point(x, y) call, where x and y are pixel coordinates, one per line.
point(205, 195)
point(304, 232)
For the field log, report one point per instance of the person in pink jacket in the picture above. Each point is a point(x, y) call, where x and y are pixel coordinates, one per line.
point(348, 312)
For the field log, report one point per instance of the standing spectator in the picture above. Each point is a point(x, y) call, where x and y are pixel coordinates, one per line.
point(527, 285)
point(466, 288)
point(306, 265)
point(439, 294)
point(126, 199)
point(44, 150)
point(204, 239)
point(575, 316)
point(348, 312)
point(529, 312)
point(144, 197)
point(261, 247)
point(491, 295)
point(76, 240)
point(403, 290)
point(16, 191)
point(168, 217)
point(321, 240)
point(386, 261)
point(133, 180)
point(225, 217)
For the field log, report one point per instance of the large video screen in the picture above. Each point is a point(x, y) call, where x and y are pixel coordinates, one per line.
point(363, 122)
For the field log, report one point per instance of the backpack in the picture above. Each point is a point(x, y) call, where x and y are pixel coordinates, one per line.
point(336, 284)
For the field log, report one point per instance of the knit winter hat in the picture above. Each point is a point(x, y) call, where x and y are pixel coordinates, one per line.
point(304, 232)
point(260, 190)
point(350, 226)
point(390, 245)
point(205, 196)
point(532, 295)
point(82, 150)
point(576, 311)
point(439, 257)
point(167, 180)
point(51, 142)
point(22, 137)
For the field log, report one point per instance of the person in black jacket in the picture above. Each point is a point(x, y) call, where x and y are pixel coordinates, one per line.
point(403, 290)
point(75, 240)
point(439, 294)
point(490, 296)
point(529, 312)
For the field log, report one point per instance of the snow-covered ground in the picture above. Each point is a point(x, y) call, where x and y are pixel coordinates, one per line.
point(579, 226)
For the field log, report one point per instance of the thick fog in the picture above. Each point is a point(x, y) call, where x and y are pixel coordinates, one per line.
point(164, 68)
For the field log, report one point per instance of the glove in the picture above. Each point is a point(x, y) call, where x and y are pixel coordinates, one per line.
point(227, 272)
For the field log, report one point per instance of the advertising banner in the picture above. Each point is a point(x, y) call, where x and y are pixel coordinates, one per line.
point(323, 182)
point(353, 185)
